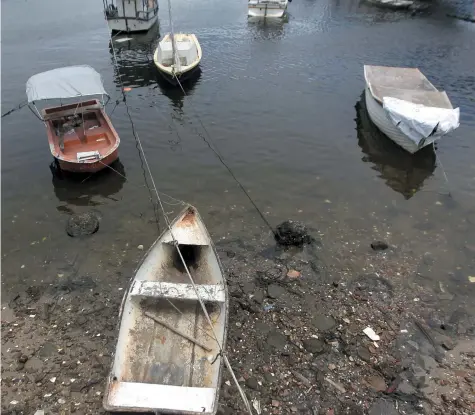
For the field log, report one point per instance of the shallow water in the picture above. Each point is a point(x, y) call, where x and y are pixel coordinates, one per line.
point(279, 100)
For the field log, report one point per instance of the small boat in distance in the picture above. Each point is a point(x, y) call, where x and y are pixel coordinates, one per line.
point(406, 107)
point(167, 358)
point(130, 15)
point(80, 134)
point(267, 8)
point(178, 56)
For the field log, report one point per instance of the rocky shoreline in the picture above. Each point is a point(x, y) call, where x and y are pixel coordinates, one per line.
point(295, 341)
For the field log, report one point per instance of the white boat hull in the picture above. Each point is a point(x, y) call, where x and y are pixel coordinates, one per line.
point(167, 359)
point(131, 25)
point(267, 10)
point(379, 117)
point(163, 59)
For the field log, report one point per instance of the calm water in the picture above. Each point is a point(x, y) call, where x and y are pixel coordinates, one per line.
point(278, 101)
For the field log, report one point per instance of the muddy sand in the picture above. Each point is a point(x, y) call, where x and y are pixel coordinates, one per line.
point(295, 341)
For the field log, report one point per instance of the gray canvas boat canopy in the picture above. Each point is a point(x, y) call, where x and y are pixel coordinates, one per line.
point(62, 83)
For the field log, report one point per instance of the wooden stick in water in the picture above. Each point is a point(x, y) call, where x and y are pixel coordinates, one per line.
point(191, 339)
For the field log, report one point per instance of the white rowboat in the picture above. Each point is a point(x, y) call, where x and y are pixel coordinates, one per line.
point(406, 107)
point(167, 359)
point(177, 56)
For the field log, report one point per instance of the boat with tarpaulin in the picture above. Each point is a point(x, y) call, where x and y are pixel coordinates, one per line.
point(80, 134)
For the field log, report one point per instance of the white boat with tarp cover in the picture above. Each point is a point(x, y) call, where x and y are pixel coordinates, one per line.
point(80, 134)
point(406, 107)
point(169, 357)
point(130, 15)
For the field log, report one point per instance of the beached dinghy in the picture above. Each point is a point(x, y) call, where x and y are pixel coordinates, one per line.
point(406, 107)
point(80, 134)
point(167, 360)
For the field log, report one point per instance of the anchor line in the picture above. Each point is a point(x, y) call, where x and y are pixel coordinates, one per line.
point(175, 242)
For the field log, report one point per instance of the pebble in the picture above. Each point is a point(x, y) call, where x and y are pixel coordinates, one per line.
point(140, 247)
point(23, 358)
point(275, 403)
point(364, 354)
point(61, 401)
point(377, 383)
point(331, 366)
point(323, 323)
point(252, 383)
point(313, 345)
point(275, 291)
point(293, 274)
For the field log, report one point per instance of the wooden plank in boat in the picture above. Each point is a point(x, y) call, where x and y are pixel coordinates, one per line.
point(172, 398)
point(208, 292)
point(428, 98)
point(401, 78)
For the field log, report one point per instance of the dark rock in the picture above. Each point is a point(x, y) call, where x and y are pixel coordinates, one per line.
point(314, 346)
point(82, 224)
point(230, 254)
point(23, 358)
point(275, 291)
point(277, 340)
point(258, 297)
point(364, 354)
point(323, 323)
point(248, 287)
point(269, 377)
point(20, 366)
point(252, 383)
point(292, 233)
point(379, 245)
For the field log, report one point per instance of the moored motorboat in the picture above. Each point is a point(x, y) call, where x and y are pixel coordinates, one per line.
point(130, 16)
point(178, 56)
point(406, 107)
point(80, 134)
point(167, 358)
point(267, 8)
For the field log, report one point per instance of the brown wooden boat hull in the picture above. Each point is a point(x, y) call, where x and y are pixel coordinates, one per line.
point(89, 167)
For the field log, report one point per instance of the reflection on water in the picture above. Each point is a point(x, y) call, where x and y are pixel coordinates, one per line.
point(403, 172)
point(80, 189)
point(134, 53)
point(267, 28)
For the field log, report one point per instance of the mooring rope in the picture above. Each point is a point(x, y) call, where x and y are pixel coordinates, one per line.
point(215, 150)
point(18, 107)
point(175, 242)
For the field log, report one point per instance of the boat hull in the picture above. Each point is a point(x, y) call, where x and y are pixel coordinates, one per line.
point(379, 117)
point(267, 10)
point(88, 167)
point(167, 359)
point(130, 25)
point(183, 77)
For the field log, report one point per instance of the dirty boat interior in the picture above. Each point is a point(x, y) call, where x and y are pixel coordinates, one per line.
point(79, 131)
point(167, 358)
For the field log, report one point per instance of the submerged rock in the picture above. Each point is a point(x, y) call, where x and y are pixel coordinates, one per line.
point(292, 233)
point(82, 224)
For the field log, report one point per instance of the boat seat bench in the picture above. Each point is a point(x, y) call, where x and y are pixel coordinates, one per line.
point(159, 289)
point(171, 398)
